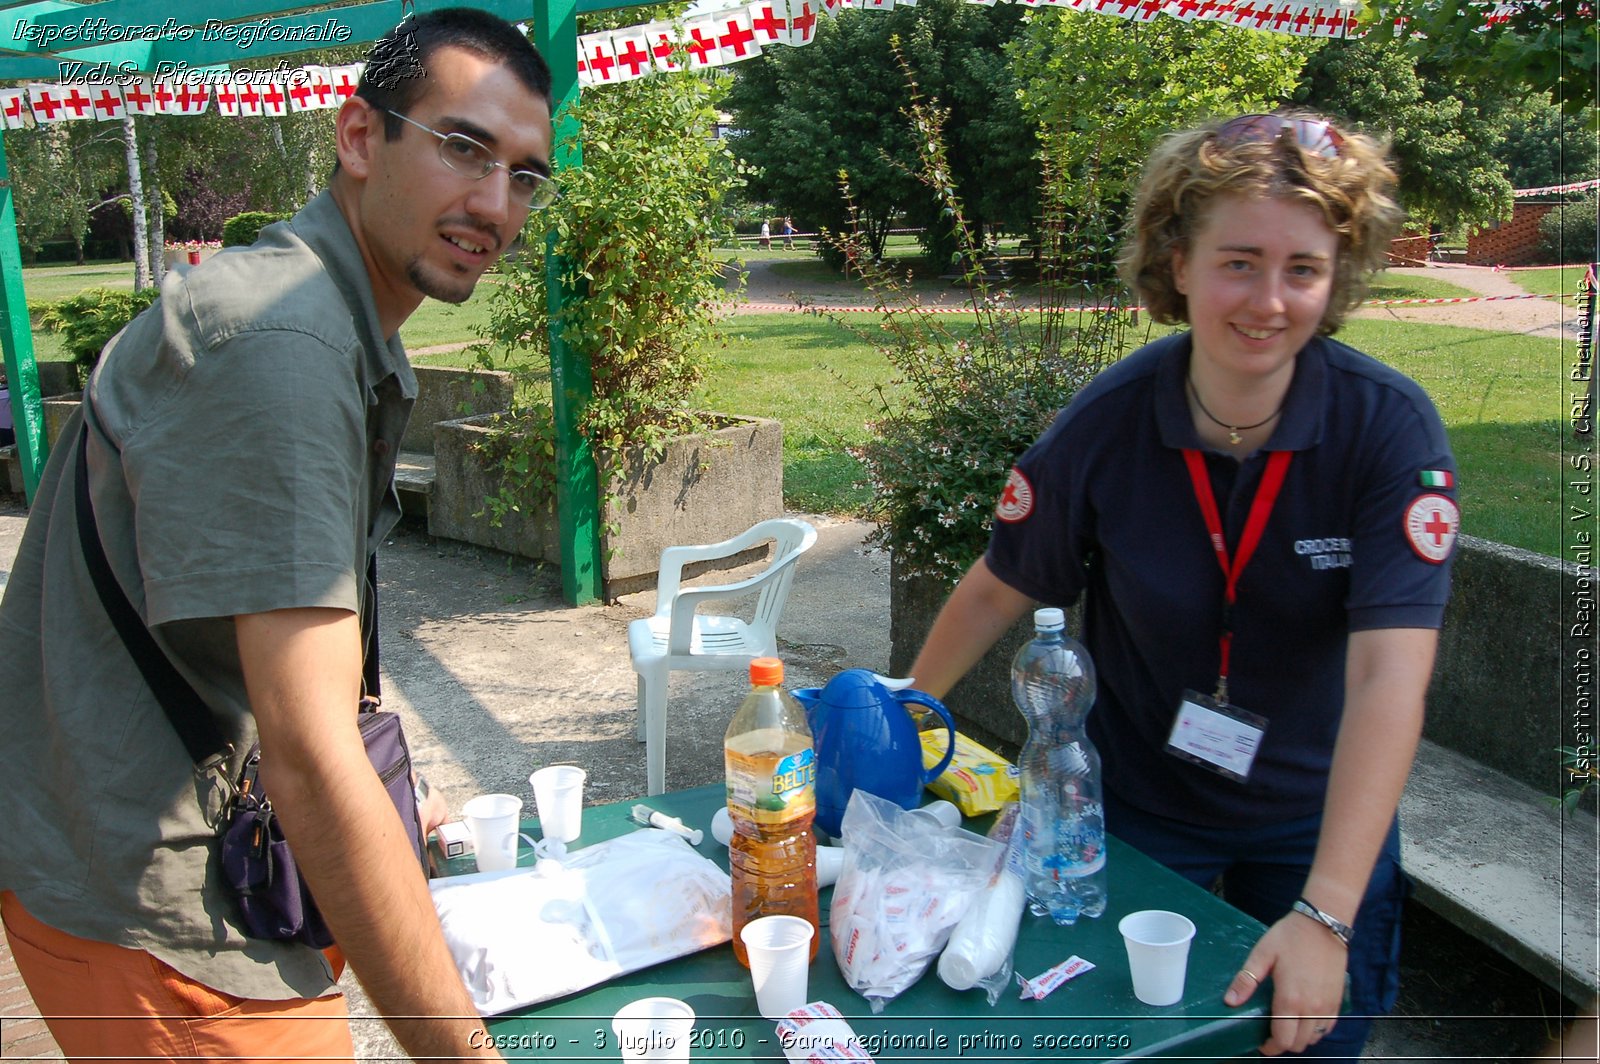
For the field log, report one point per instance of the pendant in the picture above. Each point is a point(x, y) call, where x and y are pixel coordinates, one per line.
point(1234, 437)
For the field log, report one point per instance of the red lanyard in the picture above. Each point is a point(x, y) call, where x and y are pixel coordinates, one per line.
point(1255, 524)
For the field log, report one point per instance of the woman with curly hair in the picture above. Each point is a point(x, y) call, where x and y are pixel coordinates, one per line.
point(1261, 522)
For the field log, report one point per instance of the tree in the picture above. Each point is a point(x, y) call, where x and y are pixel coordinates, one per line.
point(1102, 89)
point(804, 115)
point(1445, 130)
point(1545, 146)
point(61, 174)
point(1550, 46)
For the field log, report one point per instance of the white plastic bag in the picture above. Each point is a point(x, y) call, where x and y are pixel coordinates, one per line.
point(907, 882)
point(979, 953)
point(528, 935)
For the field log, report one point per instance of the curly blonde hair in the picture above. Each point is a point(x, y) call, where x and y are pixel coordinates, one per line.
point(1353, 190)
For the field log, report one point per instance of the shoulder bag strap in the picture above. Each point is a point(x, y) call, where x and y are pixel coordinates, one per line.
point(190, 716)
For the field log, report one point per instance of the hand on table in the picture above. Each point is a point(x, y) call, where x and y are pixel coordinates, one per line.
point(1307, 965)
point(432, 809)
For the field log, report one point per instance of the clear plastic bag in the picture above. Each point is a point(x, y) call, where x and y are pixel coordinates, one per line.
point(531, 934)
point(980, 948)
point(907, 882)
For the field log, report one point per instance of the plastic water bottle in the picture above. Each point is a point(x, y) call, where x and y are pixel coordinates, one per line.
point(772, 798)
point(1063, 818)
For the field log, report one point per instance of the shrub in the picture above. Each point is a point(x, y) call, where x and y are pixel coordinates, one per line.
point(88, 320)
point(242, 229)
point(968, 398)
point(635, 230)
point(1569, 232)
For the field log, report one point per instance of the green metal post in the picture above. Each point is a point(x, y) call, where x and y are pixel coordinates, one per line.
point(16, 337)
point(555, 33)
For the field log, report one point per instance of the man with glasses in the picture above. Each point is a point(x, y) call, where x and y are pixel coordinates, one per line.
point(240, 446)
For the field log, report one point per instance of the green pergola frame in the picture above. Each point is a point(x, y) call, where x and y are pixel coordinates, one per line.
point(25, 55)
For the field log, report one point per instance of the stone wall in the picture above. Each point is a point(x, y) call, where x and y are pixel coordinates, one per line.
point(1509, 243)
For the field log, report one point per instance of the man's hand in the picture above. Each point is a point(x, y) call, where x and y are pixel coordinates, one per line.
point(1306, 964)
point(302, 670)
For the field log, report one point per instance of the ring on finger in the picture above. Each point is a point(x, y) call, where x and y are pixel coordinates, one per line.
point(1319, 1030)
point(1253, 977)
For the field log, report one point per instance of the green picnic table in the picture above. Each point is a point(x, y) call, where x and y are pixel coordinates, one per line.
point(1092, 1017)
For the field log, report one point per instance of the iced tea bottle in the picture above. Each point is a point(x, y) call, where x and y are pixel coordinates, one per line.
point(771, 770)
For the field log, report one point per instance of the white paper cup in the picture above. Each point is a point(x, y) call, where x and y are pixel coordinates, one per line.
point(779, 948)
point(1158, 954)
point(493, 820)
point(655, 1028)
point(940, 812)
point(830, 865)
point(558, 793)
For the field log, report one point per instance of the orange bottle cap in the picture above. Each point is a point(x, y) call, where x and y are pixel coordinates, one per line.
point(766, 672)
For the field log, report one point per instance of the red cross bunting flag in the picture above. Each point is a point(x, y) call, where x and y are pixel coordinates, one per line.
point(311, 89)
point(666, 46)
point(633, 55)
point(13, 106)
point(249, 98)
point(345, 79)
point(226, 94)
point(701, 40)
point(802, 22)
point(138, 96)
point(274, 100)
point(735, 35)
point(191, 98)
point(106, 99)
point(165, 94)
point(770, 21)
point(602, 58)
point(47, 102)
point(322, 86)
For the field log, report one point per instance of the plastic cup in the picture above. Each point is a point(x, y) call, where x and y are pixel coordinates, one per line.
point(779, 948)
point(1158, 954)
point(493, 820)
point(558, 792)
point(655, 1028)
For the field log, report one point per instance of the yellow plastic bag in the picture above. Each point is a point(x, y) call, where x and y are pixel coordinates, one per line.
point(977, 781)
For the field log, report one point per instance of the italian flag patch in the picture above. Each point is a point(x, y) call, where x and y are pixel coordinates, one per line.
point(1437, 478)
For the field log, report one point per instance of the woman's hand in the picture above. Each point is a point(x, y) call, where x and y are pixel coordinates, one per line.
point(1307, 965)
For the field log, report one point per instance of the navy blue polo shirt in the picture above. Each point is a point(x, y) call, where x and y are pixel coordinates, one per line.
point(1361, 537)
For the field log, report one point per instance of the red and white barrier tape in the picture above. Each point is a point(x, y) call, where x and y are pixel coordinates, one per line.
point(843, 308)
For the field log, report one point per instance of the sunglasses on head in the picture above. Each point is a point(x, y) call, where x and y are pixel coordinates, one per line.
point(1314, 135)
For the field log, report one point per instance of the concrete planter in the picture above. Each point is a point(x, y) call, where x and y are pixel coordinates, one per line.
point(981, 702)
point(706, 488)
point(182, 258)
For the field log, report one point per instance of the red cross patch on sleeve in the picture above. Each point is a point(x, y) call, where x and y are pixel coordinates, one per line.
point(1016, 502)
point(1431, 523)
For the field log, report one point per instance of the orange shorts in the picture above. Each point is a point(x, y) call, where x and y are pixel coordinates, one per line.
point(114, 1003)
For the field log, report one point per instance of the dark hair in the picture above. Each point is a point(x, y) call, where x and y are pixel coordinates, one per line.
point(396, 73)
point(1189, 170)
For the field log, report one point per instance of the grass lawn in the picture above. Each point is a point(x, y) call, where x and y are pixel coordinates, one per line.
point(1500, 396)
point(1549, 280)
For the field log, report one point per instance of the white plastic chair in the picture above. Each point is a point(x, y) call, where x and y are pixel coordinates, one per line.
point(677, 638)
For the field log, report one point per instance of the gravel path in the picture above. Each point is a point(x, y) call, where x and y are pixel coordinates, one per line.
point(765, 292)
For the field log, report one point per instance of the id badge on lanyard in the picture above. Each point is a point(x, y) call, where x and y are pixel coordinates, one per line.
point(1212, 732)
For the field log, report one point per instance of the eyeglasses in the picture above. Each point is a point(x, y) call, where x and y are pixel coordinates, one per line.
point(1313, 135)
point(466, 156)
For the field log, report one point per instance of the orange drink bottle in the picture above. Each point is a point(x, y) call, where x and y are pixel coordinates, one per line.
point(771, 769)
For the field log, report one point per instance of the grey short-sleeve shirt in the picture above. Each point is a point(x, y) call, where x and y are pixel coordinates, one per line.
point(242, 435)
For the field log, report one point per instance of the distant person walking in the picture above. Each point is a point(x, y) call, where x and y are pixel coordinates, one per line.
point(766, 234)
point(788, 233)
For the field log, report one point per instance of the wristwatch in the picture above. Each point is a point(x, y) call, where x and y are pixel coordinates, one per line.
point(1341, 931)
